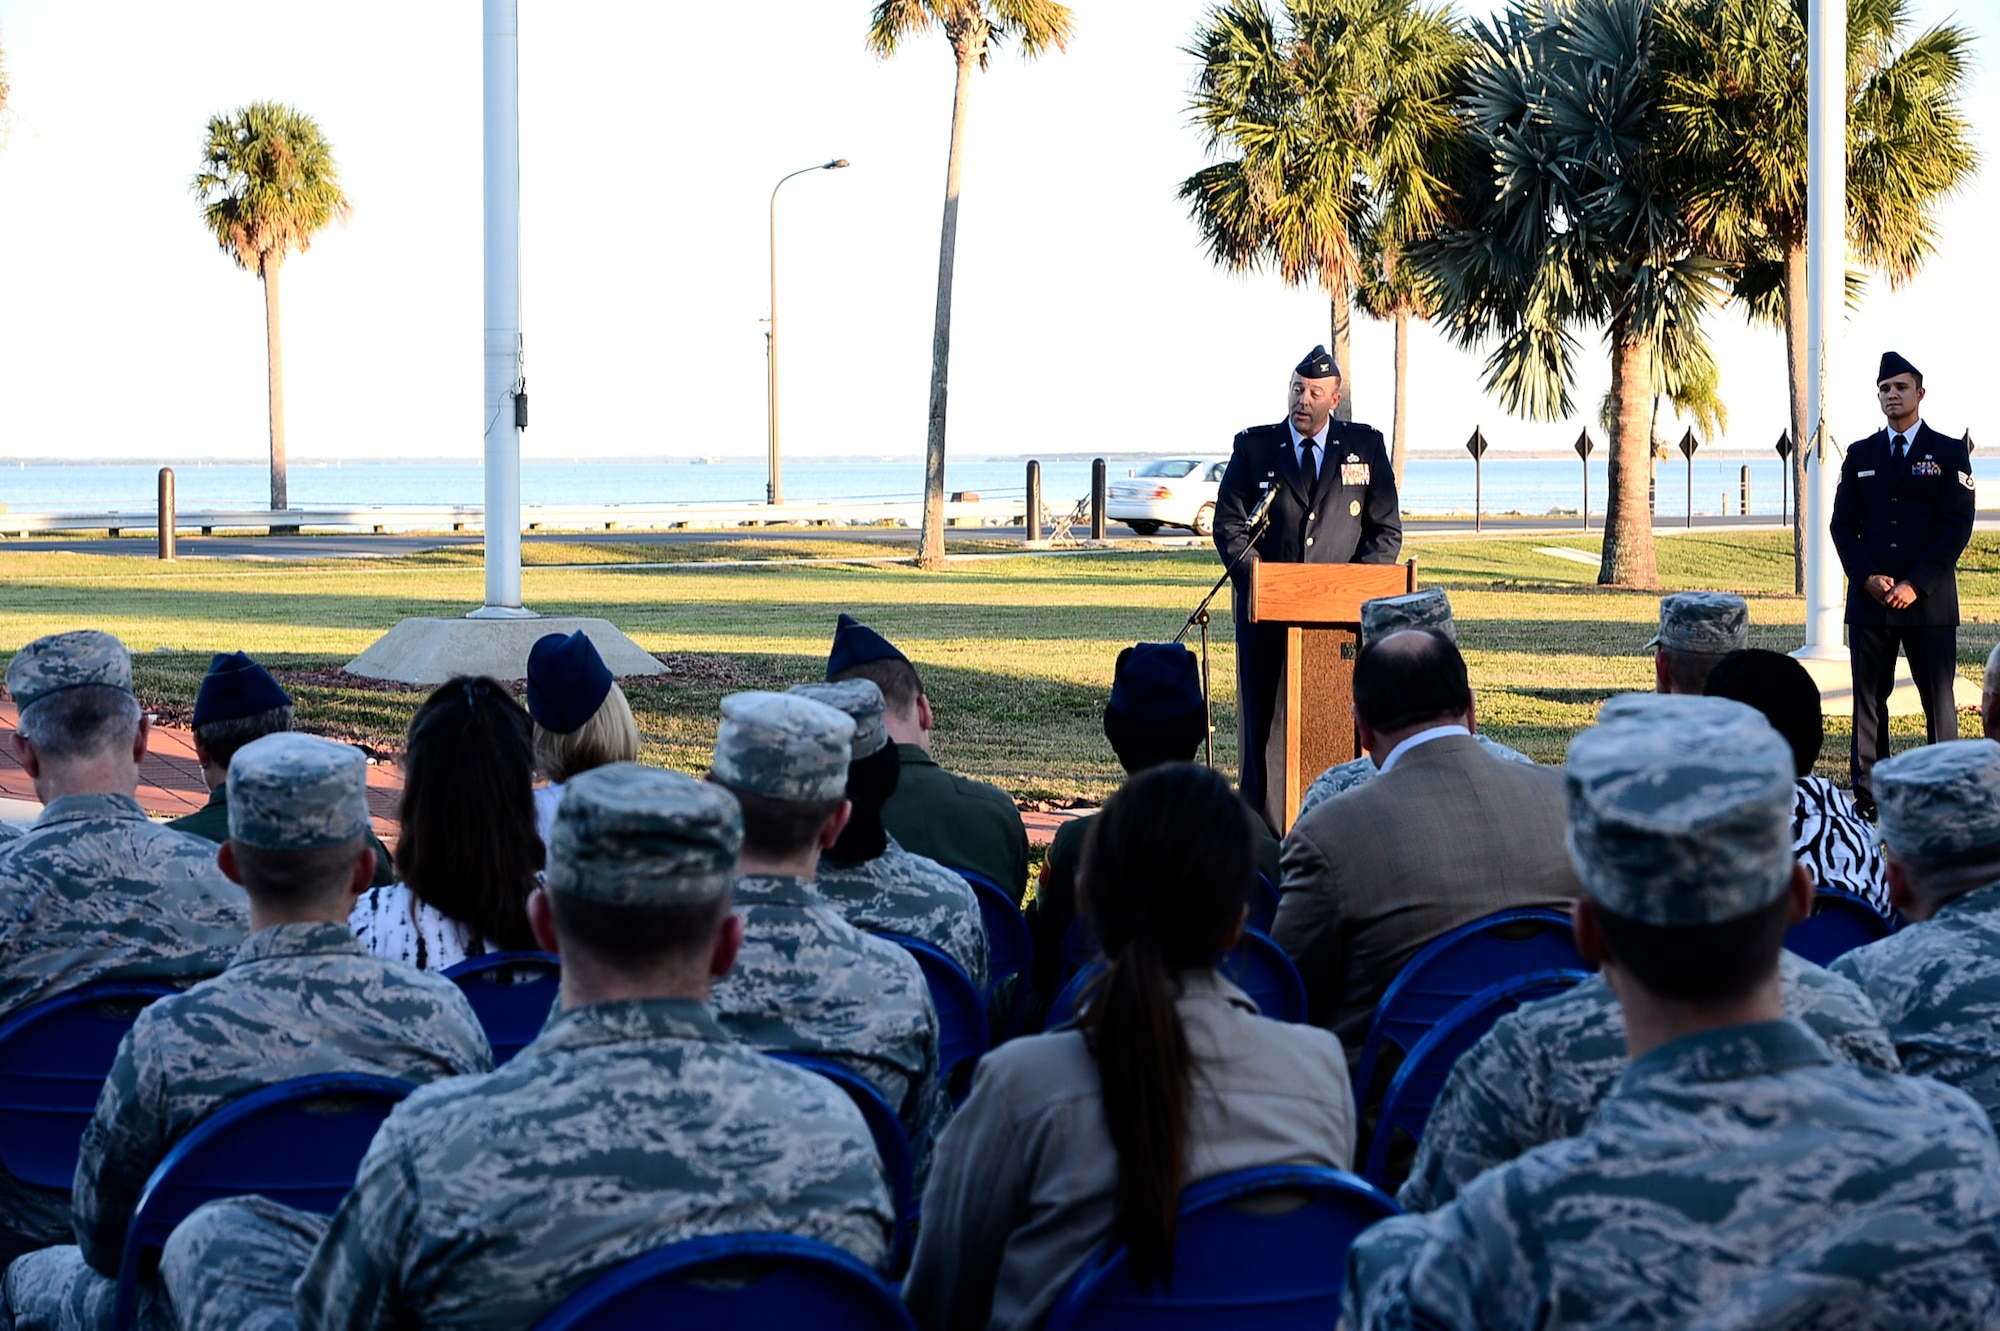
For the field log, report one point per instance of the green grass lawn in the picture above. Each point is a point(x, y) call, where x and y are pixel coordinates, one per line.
point(1015, 653)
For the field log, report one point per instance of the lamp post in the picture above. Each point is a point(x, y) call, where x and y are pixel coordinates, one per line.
point(774, 489)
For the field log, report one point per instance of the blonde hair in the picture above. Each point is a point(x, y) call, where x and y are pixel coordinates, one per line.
point(609, 736)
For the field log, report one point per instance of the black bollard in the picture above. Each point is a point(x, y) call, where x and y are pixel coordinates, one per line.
point(1097, 499)
point(1033, 521)
point(1744, 508)
point(166, 514)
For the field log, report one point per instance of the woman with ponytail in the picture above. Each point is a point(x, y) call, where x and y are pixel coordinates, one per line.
point(1169, 1076)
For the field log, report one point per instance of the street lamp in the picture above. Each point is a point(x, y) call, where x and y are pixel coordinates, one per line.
point(774, 490)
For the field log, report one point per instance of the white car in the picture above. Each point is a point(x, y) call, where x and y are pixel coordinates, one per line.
point(1172, 492)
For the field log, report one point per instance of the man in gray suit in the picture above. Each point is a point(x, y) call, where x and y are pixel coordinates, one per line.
point(1444, 834)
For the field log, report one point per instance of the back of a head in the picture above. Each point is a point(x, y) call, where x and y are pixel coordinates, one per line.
point(859, 652)
point(74, 695)
point(874, 768)
point(298, 819)
point(1156, 713)
point(785, 758)
point(1166, 869)
point(1409, 678)
point(1680, 830)
point(1698, 629)
point(1780, 688)
point(582, 718)
point(469, 846)
point(238, 702)
point(640, 863)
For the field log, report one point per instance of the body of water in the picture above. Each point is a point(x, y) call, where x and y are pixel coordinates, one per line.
point(1431, 485)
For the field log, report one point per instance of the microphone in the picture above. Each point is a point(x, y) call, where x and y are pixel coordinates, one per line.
point(1263, 508)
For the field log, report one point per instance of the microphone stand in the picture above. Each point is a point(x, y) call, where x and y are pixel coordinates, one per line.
point(1199, 619)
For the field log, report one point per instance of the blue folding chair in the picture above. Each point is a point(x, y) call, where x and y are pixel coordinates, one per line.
point(736, 1280)
point(297, 1142)
point(962, 1030)
point(1260, 1249)
point(891, 1143)
point(1010, 951)
point(1256, 965)
point(1841, 921)
point(54, 1057)
point(1406, 1108)
point(1453, 968)
point(512, 994)
point(1263, 904)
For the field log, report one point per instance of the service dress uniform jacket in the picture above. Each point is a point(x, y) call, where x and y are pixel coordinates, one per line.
point(1734, 1178)
point(959, 822)
point(1351, 517)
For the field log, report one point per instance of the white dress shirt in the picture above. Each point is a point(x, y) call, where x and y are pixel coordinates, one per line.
point(1319, 442)
point(1421, 737)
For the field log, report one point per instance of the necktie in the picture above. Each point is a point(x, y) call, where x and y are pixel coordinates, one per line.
point(1308, 466)
point(1896, 450)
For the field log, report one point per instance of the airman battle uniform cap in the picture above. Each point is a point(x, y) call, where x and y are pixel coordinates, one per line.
point(627, 835)
point(1680, 810)
point(1427, 609)
point(1940, 800)
point(1706, 623)
point(297, 792)
point(783, 747)
point(67, 661)
point(862, 700)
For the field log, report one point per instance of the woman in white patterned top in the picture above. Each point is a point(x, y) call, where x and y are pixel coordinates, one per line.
point(1828, 836)
point(469, 851)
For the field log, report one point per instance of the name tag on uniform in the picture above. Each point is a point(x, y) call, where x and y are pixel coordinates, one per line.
point(1926, 468)
point(1869, 472)
point(1354, 473)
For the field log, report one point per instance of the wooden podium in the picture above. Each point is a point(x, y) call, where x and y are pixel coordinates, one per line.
point(1312, 723)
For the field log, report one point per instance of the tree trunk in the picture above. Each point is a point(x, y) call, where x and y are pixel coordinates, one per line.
point(930, 545)
point(274, 358)
point(1340, 300)
point(1396, 446)
point(1795, 362)
point(1628, 525)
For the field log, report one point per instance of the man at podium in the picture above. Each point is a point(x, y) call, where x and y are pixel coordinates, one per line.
point(1324, 493)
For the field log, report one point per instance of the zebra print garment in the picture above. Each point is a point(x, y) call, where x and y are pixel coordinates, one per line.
point(1833, 841)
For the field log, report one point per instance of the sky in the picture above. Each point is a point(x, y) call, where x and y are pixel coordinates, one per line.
point(1085, 316)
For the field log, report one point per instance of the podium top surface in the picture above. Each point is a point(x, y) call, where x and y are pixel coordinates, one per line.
point(1323, 593)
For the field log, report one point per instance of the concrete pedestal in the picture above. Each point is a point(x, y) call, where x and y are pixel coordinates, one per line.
point(1836, 689)
point(431, 651)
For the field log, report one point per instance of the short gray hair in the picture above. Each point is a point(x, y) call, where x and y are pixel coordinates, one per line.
point(223, 738)
point(1941, 878)
point(80, 722)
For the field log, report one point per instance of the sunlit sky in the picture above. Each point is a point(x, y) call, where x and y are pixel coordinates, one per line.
point(1086, 316)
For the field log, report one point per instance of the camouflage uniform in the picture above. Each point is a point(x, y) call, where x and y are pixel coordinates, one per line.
point(1937, 982)
point(1734, 1176)
point(625, 1126)
point(1738, 1169)
point(900, 893)
point(296, 1000)
point(1541, 1072)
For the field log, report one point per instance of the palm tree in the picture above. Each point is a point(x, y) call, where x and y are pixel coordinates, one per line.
point(1566, 218)
point(1735, 88)
point(267, 184)
point(1329, 123)
point(974, 28)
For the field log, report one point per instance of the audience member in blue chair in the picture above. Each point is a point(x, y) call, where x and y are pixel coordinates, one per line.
point(1427, 609)
point(874, 883)
point(469, 851)
point(94, 891)
point(1156, 714)
point(1937, 981)
point(300, 998)
point(1088, 1135)
point(1738, 1174)
point(633, 1122)
point(582, 718)
point(1828, 836)
point(1444, 834)
point(807, 981)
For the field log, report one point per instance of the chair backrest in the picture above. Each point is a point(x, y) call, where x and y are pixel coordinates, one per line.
point(892, 1144)
point(1406, 1108)
point(512, 994)
point(1263, 904)
point(1451, 969)
point(1010, 950)
point(1261, 969)
point(962, 1031)
point(1261, 1249)
point(297, 1142)
point(736, 1280)
point(1841, 921)
point(1256, 965)
point(54, 1057)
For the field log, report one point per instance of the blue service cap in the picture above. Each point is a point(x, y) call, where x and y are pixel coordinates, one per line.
point(1156, 681)
point(854, 644)
point(1893, 364)
point(1317, 365)
point(567, 681)
point(235, 687)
